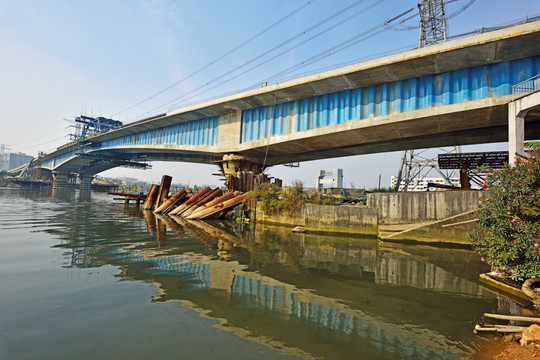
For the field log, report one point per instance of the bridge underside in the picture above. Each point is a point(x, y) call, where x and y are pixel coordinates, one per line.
point(491, 125)
point(375, 135)
point(99, 161)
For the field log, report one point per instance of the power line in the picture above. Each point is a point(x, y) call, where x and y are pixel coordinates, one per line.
point(329, 52)
point(221, 57)
point(400, 26)
point(48, 142)
point(255, 85)
point(334, 66)
point(295, 46)
point(335, 49)
point(300, 34)
point(37, 138)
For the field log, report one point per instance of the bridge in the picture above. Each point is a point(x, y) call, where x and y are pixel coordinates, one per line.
point(455, 93)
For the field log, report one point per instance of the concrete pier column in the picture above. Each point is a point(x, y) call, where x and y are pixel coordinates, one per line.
point(518, 111)
point(240, 171)
point(60, 180)
point(85, 182)
point(516, 131)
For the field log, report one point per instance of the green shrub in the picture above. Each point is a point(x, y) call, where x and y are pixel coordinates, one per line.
point(294, 200)
point(267, 193)
point(507, 234)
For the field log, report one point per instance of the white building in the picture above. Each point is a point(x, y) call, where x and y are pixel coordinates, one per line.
point(421, 184)
point(329, 179)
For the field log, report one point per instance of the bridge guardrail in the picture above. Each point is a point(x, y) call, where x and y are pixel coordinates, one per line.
point(529, 85)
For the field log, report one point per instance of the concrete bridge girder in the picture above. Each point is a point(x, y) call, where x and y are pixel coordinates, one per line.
point(441, 126)
point(467, 122)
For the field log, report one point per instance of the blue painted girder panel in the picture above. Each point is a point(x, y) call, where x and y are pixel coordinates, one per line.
point(448, 88)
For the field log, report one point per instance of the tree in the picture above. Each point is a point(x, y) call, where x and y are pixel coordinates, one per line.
point(507, 234)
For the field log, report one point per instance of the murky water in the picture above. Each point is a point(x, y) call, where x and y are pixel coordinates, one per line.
point(90, 278)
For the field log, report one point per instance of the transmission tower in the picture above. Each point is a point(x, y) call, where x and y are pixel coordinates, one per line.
point(418, 164)
point(433, 28)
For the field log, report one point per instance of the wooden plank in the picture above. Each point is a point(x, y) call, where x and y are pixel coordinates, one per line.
point(151, 198)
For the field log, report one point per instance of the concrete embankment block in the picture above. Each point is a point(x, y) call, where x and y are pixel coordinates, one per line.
point(417, 207)
point(341, 219)
point(327, 218)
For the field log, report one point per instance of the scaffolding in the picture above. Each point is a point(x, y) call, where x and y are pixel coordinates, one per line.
point(86, 125)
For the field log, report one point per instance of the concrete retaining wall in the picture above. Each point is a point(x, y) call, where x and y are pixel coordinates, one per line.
point(283, 218)
point(417, 207)
point(450, 230)
point(341, 219)
point(327, 218)
point(389, 209)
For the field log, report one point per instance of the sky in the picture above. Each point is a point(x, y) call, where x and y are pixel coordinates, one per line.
point(129, 59)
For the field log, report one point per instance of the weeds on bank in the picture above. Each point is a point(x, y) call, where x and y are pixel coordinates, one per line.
point(290, 200)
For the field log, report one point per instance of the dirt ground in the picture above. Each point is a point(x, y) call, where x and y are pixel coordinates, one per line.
point(514, 351)
point(507, 348)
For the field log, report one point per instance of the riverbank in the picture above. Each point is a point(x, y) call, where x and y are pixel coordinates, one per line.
point(424, 217)
point(506, 348)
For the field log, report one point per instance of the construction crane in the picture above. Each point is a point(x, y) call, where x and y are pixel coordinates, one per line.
point(87, 125)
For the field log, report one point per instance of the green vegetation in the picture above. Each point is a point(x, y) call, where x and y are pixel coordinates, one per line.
point(268, 194)
point(289, 200)
point(383, 190)
point(507, 235)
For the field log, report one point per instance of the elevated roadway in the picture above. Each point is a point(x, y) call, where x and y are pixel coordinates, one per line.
point(455, 93)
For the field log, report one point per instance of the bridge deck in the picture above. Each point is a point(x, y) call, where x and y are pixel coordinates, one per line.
point(454, 93)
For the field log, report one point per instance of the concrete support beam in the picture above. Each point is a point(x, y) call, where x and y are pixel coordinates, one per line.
point(60, 180)
point(516, 131)
point(230, 131)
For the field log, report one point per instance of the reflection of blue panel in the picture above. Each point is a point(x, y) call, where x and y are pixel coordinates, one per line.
point(256, 295)
point(448, 88)
point(321, 315)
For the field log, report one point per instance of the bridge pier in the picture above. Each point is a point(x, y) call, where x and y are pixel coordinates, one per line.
point(85, 182)
point(516, 132)
point(241, 171)
point(60, 180)
point(517, 111)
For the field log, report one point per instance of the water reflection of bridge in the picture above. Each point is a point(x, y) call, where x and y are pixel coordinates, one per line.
point(256, 291)
point(271, 283)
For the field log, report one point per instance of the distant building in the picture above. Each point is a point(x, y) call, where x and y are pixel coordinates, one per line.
point(418, 184)
point(329, 179)
point(9, 161)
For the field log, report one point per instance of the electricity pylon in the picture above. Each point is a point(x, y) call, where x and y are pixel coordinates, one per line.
point(433, 28)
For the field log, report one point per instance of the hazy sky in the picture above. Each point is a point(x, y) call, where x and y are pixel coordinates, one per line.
point(62, 58)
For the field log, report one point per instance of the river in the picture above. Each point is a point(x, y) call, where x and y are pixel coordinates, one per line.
point(86, 277)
